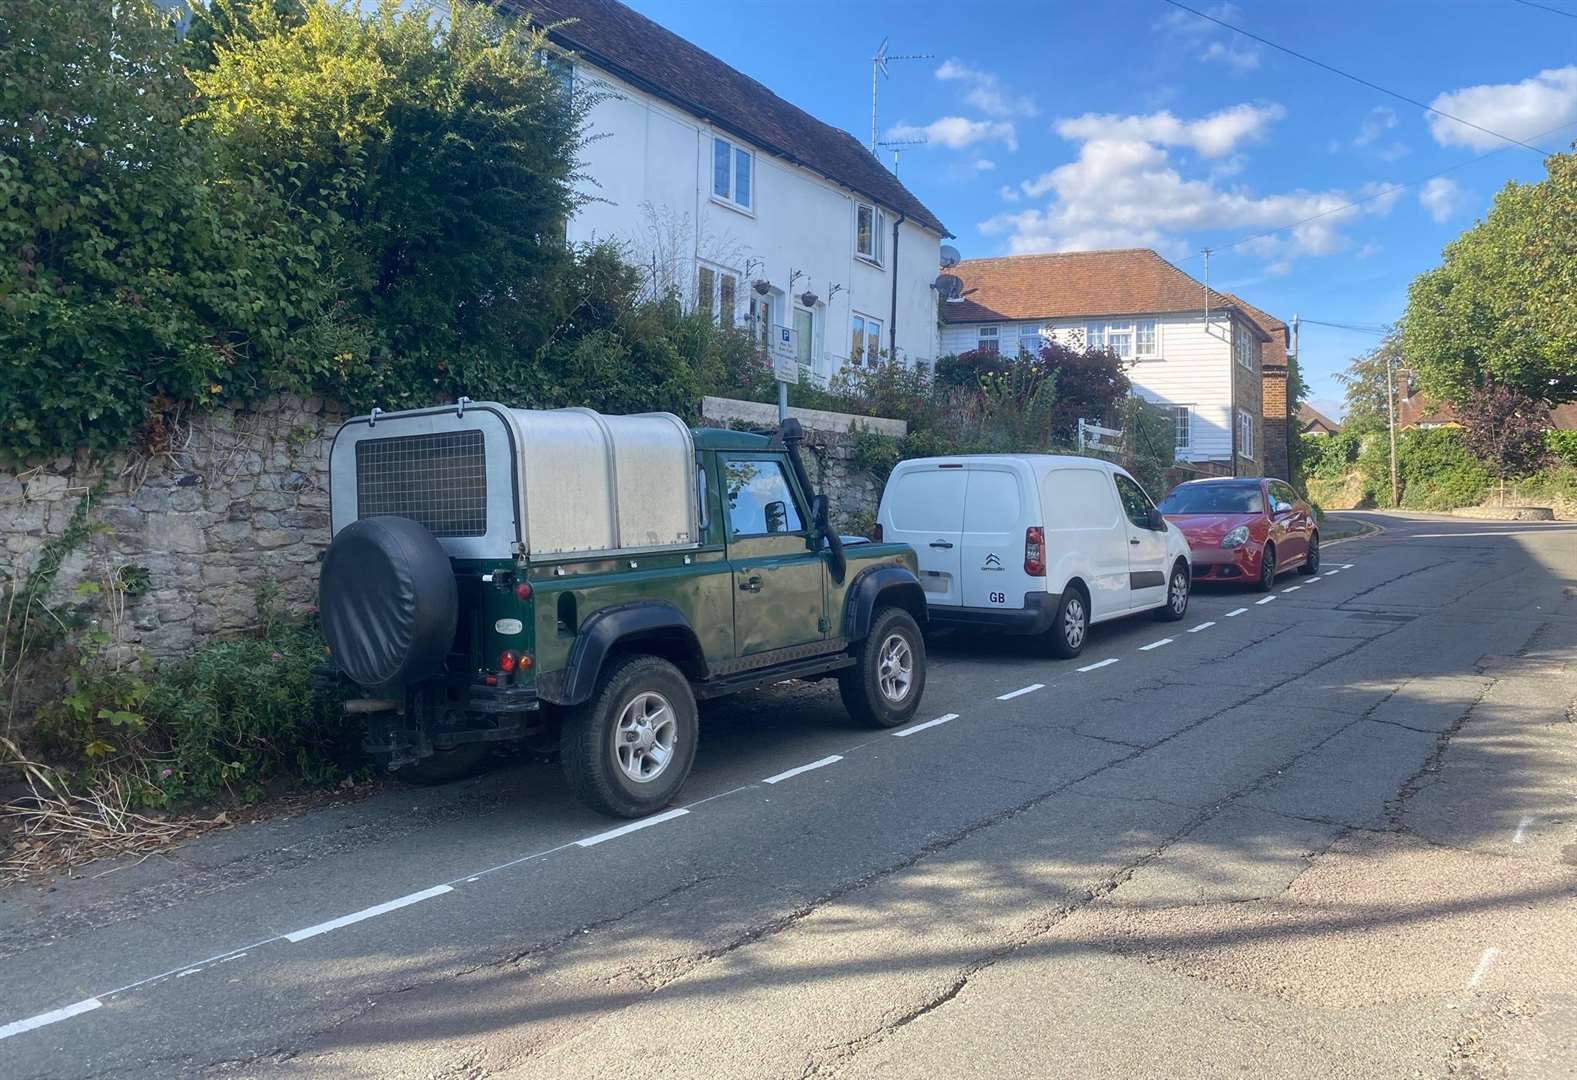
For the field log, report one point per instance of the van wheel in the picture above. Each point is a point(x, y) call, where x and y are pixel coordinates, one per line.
point(883, 687)
point(1176, 605)
point(446, 766)
point(629, 749)
point(1071, 626)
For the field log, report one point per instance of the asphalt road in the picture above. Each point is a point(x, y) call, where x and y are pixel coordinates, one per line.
point(1328, 833)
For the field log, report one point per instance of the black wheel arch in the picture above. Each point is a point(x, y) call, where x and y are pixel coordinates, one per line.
point(655, 627)
point(879, 587)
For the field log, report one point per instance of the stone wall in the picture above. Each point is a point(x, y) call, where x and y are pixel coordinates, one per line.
point(238, 507)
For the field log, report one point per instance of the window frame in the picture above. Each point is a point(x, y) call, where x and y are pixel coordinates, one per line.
point(995, 334)
point(1155, 339)
point(713, 301)
point(865, 360)
point(1243, 350)
point(1182, 425)
point(876, 256)
point(730, 197)
point(1245, 430)
point(724, 460)
point(1032, 332)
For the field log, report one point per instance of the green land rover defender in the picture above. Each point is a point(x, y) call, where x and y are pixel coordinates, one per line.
point(572, 579)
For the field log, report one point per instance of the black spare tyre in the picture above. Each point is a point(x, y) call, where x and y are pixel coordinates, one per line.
point(388, 602)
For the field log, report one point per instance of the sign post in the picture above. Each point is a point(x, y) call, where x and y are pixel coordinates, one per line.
point(784, 349)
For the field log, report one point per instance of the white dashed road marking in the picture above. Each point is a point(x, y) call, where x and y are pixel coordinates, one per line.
point(1201, 626)
point(1021, 691)
point(1522, 827)
point(1155, 644)
point(823, 763)
point(927, 724)
point(53, 1017)
point(1267, 600)
point(1331, 573)
point(1239, 611)
point(1099, 664)
point(1346, 566)
point(1292, 588)
point(634, 826)
point(1485, 961)
point(368, 913)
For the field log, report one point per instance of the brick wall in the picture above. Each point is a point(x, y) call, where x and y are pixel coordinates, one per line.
point(1276, 423)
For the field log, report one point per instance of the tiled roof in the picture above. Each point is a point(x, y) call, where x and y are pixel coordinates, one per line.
point(637, 50)
point(1077, 284)
point(1564, 417)
point(1308, 415)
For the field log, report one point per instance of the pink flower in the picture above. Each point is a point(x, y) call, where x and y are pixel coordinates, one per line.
point(276, 656)
point(165, 774)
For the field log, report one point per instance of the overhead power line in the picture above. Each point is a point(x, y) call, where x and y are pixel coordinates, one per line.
point(1355, 328)
point(1546, 7)
point(1355, 78)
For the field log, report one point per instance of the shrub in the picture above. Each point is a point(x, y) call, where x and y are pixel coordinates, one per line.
point(1437, 470)
point(1328, 457)
point(1562, 446)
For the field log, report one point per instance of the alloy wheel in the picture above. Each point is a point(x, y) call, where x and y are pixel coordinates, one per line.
point(1177, 595)
point(895, 668)
point(645, 738)
point(1073, 623)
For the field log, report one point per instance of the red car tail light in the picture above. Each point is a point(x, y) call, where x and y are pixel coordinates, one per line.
point(1035, 551)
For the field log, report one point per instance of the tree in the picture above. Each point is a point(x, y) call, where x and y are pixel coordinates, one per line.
point(1505, 431)
point(1502, 306)
point(1366, 380)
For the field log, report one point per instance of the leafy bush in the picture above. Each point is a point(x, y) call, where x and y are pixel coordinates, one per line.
point(1437, 470)
point(1328, 457)
point(1562, 446)
point(226, 720)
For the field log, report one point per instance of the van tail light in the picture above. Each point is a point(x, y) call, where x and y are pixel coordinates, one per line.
point(876, 532)
point(1035, 551)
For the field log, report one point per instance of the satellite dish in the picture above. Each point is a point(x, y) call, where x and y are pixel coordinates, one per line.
point(950, 287)
point(950, 256)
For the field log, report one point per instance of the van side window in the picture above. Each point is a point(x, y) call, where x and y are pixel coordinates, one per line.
point(760, 501)
point(1136, 504)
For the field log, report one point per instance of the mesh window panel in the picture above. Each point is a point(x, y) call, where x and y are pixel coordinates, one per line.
point(438, 480)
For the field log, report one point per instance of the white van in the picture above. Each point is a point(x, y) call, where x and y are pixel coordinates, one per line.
point(1035, 543)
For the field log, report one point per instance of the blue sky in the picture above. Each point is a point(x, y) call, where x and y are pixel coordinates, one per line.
point(1128, 123)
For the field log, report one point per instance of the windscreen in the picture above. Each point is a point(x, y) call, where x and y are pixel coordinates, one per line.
point(1214, 499)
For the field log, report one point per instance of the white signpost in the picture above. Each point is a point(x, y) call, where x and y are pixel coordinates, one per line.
point(1094, 437)
point(783, 347)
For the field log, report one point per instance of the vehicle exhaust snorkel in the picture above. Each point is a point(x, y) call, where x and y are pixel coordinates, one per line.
point(792, 434)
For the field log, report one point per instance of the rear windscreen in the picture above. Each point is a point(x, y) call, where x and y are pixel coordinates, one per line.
point(438, 480)
point(928, 500)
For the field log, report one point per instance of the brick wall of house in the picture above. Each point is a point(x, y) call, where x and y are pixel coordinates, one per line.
point(1276, 422)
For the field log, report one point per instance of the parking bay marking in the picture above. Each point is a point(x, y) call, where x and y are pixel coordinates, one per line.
point(1239, 611)
point(1267, 600)
point(1201, 626)
point(1292, 588)
point(367, 913)
point(1332, 573)
point(782, 776)
point(1021, 691)
point(634, 826)
point(1490, 955)
point(927, 724)
point(1100, 663)
point(54, 1016)
point(1155, 644)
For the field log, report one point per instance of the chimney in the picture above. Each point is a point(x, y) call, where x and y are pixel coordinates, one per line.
point(1404, 384)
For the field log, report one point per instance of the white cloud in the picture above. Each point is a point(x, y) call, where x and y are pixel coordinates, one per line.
point(1212, 136)
point(957, 132)
point(985, 90)
point(1124, 190)
point(1008, 193)
point(1237, 52)
point(1442, 198)
point(1523, 110)
point(1381, 118)
point(984, 164)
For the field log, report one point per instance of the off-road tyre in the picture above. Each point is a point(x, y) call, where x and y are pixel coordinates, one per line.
point(1267, 569)
point(1178, 585)
point(447, 766)
point(879, 690)
point(589, 745)
point(1070, 628)
point(1311, 561)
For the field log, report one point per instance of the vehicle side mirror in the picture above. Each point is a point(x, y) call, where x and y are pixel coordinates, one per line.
point(1157, 519)
point(818, 511)
point(777, 516)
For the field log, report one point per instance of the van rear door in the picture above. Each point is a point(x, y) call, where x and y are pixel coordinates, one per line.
point(995, 521)
point(923, 507)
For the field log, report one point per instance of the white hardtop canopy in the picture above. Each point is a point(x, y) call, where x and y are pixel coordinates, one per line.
point(490, 481)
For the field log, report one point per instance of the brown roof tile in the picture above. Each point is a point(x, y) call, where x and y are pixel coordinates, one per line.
point(1076, 284)
point(1309, 416)
point(634, 48)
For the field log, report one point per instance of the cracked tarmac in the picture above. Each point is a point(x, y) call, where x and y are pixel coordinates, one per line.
point(1283, 846)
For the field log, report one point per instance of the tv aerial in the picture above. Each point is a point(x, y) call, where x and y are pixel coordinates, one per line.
point(897, 146)
point(879, 64)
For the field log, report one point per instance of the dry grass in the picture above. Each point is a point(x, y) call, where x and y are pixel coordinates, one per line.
point(54, 829)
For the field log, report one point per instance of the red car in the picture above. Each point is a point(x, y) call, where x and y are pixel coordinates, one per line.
point(1244, 529)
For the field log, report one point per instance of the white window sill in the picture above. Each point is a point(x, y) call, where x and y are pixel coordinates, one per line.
point(868, 261)
point(729, 204)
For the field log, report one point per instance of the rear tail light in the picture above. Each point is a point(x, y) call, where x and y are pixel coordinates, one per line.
point(506, 661)
point(876, 532)
point(1035, 551)
point(523, 591)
